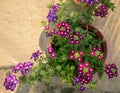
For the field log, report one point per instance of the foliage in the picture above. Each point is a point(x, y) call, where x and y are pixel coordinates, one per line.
point(76, 52)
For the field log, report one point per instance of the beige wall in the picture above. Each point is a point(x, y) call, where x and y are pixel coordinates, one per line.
point(20, 33)
point(20, 29)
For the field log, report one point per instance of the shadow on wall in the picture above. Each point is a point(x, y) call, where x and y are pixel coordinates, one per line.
point(43, 88)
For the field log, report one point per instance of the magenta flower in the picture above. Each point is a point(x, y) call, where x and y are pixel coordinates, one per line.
point(96, 51)
point(84, 75)
point(101, 11)
point(63, 29)
point(26, 67)
point(53, 55)
point(76, 55)
point(92, 53)
point(16, 68)
point(49, 49)
point(51, 52)
point(111, 70)
point(73, 37)
point(99, 57)
point(36, 55)
point(10, 82)
point(91, 2)
point(47, 27)
point(23, 67)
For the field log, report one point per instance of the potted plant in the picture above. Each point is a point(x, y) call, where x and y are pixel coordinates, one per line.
point(76, 50)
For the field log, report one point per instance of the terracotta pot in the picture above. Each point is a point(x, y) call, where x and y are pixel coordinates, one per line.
point(100, 34)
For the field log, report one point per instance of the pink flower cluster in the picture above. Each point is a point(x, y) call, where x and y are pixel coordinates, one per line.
point(63, 29)
point(96, 52)
point(72, 38)
point(111, 70)
point(51, 52)
point(76, 55)
point(84, 75)
point(101, 11)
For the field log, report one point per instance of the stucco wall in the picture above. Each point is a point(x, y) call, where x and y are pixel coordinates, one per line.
point(20, 31)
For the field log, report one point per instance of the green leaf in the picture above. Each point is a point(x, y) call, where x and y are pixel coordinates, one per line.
point(43, 23)
point(58, 67)
point(77, 28)
point(48, 80)
point(72, 67)
point(62, 72)
point(93, 85)
point(51, 70)
point(100, 74)
point(42, 72)
point(49, 6)
point(63, 79)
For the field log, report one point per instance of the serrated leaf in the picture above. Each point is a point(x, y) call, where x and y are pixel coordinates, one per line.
point(58, 67)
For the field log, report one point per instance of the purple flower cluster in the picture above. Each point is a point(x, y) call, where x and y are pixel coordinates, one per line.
point(23, 67)
point(96, 52)
point(63, 29)
point(101, 11)
point(111, 70)
point(35, 55)
point(72, 38)
point(84, 75)
point(90, 2)
point(52, 14)
point(51, 52)
point(10, 82)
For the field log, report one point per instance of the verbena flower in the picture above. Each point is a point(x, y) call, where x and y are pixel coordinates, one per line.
point(51, 52)
point(91, 2)
point(10, 82)
point(36, 55)
point(75, 38)
point(52, 14)
point(101, 11)
point(76, 55)
point(26, 67)
point(16, 68)
point(23, 67)
point(111, 70)
point(96, 51)
point(63, 29)
point(84, 75)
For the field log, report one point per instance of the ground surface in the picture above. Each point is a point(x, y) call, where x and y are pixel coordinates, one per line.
point(20, 35)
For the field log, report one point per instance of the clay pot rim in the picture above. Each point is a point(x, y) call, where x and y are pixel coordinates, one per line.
point(107, 50)
point(106, 46)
